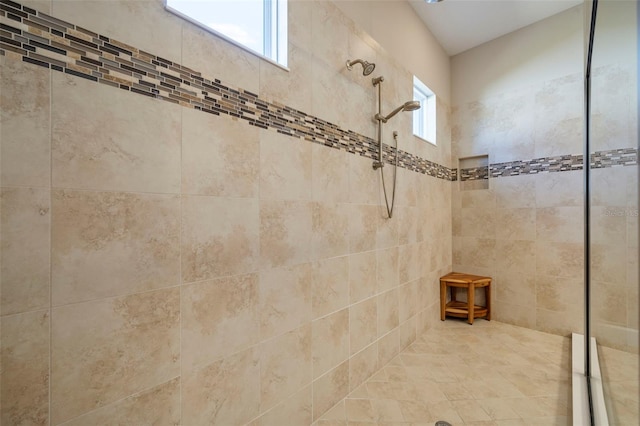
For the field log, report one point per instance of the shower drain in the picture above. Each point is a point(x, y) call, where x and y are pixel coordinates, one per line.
point(442, 423)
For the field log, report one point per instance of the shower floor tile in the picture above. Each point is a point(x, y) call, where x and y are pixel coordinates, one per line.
point(489, 373)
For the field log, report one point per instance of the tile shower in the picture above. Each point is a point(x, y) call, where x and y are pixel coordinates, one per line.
point(193, 241)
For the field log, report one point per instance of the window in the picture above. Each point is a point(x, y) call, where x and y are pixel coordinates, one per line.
point(424, 119)
point(259, 26)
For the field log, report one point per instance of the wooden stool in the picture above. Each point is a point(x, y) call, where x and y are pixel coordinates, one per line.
point(467, 309)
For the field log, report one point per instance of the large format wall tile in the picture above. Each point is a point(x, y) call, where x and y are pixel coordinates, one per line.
point(362, 276)
point(295, 410)
point(285, 232)
point(330, 230)
point(123, 19)
point(330, 341)
point(285, 167)
point(330, 174)
point(219, 237)
point(158, 405)
point(218, 318)
point(24, 386)
point(25, 126)
point(25, 220)
point(106, 350)
point(285, 299)
point(330, 388)
point(235, 67)
point(363, 324)
point(112, 140)
point(219, 160)
point(113, 243)
point(330, 286)
point(285, 366)
point(226, 392)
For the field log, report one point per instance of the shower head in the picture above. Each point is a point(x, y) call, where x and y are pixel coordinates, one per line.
point(368, 67)
point(407, 106)
point(432, 1)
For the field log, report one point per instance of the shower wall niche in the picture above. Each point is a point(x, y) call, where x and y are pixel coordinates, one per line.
point(474, 172)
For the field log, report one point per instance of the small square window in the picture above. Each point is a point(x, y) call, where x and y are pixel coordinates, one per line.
point(259, 26)
point(424, 119)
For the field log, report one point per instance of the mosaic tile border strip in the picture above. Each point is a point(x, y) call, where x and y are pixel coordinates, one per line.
point(474, 173)
point(45, 41)
point(561, 163)
point(614, 157)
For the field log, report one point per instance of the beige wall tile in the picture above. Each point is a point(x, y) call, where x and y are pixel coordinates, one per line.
point(558, 322)
point(234, 66)
point(295, 410)
point(388, 347)
point(408, 300)
point(515, 256)
point(330, 226)
point(363, 324)
point(362, 276)
point(559, 259)
point(285, 299)
point(158, 405)
point(388, 268)
point(387, 232)
point(330, 342)
point(220, 236)
point(106, 350)
point(140, 152)
point(25, 369)
point(218, 318)
point(364, 182)
point(285, 167)
point(559, 189)
point(561, 224)
point(408, 332)
point(608, 186)
point(608, 263)
point(123, 19)
point(363, 223)
point(285, 232)
point(609, 225)
point(408, 225)
point(330, 174)
point(330, 388)
point(112, 243)
point(26, 248)
point(26, 146)
point(515, 288)
point(362, 365)
point(609, 303)
point(330, 286)
point(408, 263)
point(474, 252)
point(225, 392)
point(515, 191)
point(479, 222)
point(515, 224)
point(563, 295)
point(387, 311)
point(521, 315)
point(220, 156)
point(285, 366)
point(284, 87)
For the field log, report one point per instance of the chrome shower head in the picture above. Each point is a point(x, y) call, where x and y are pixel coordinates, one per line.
point(368, 67)
point(407, 106)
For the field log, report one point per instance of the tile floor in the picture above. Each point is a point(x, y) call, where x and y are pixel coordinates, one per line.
point(621, 385)
point(490, 373)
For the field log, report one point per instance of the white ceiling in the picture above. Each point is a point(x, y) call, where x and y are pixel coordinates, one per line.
point(460, 25)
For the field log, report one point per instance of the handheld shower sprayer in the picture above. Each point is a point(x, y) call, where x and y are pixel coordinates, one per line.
point(407, 106)
point(368, 67)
